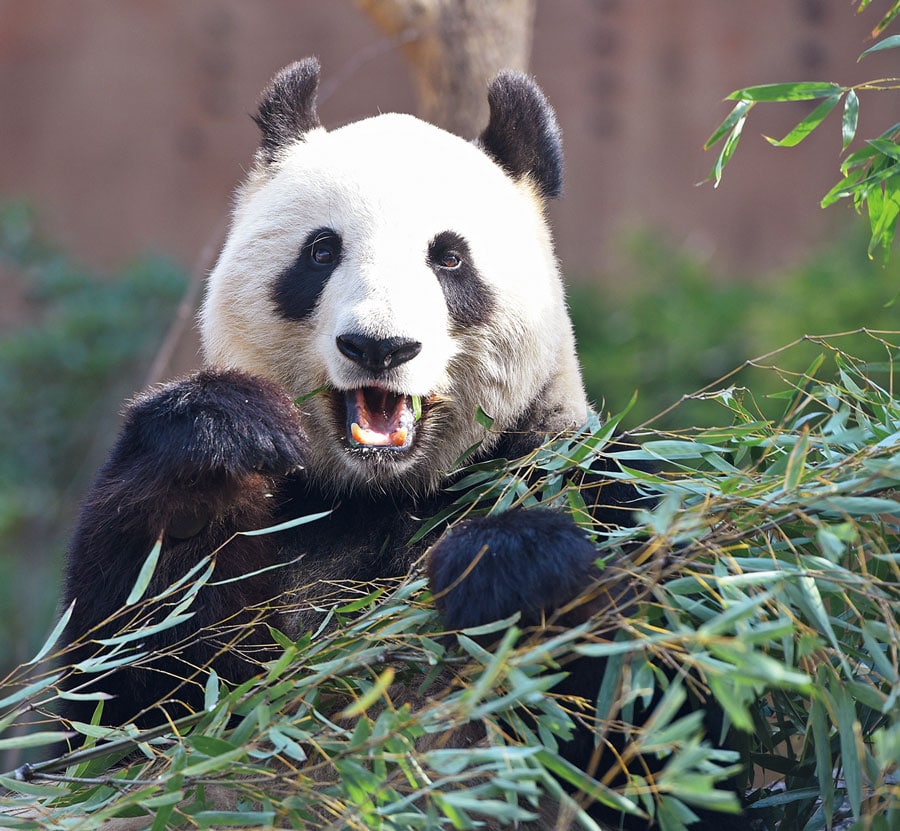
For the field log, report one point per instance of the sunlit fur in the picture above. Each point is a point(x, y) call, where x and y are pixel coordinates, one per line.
point(388, 185)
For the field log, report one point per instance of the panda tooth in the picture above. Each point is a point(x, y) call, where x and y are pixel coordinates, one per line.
point(359, 435)
point(398, 437)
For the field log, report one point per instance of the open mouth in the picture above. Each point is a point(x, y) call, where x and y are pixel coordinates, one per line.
point(377, 418)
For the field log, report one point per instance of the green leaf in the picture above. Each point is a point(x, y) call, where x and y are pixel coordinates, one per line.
point(17, 786)
point(54, 636)
point(483, 418)
point(372, 695)
point(209, 745)
point(215, 763)
point(820, 732)
point(861, 185)
point(732, 702)
point(888, 43)
point(807, 125)
point(888, 18)
point(211, 691)
point(38, 739)
point(302, 399)
point(728, 149)
point(668, 450)
point(796, 462)
point(144, 632)
point(567, 772)
point(884, 217)
point(283, 526)
point(29, 691)
point(241, 819)
point(850, 119)
point(851, 753)
point(802, 91)
point(145, 574)
point(737, 114)
point(886, 147)
point(857, 505)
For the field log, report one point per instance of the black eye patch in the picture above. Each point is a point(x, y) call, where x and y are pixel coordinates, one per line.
point(297, 289)
point(469, 299)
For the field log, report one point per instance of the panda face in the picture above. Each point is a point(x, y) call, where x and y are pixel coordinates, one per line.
point(397, 272)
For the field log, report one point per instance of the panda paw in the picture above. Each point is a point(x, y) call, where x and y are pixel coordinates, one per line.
point(529, 561)
point(213, 424)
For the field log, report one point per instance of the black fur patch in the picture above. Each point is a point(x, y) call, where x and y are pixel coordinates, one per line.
point(288, 107)
point(297, 288)
point(488, 568)
point(469, 299)
point(523, 136)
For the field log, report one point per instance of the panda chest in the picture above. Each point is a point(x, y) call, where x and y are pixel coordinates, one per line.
point(358, 540)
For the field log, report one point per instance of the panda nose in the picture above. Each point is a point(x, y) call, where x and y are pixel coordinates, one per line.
point(377, 354)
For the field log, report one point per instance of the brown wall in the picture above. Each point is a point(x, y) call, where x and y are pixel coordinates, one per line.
point(126, 123)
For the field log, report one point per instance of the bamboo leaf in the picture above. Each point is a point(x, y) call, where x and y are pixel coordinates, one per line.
point(373, 694)
point(284, 526)
point(850, 119)
point(30, 690)
point(886, 147)
point(146, 631)
point(240, 819)
point(145, 574)
point(584, 784)
point(37, 739)
point(888, 18)
point(483, 419)
point(807, 125)
point(857, 505)
point(819, 726)
point(737, 114)
point(851, 752)
point(215, 763)
point(54, 636)
point(796, 462)
point(302, 399)
point(211, 691)
point(802, 91)
point(891, 42)
point(728, 149)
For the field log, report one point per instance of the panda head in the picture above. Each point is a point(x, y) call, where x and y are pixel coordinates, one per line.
point(404, 275)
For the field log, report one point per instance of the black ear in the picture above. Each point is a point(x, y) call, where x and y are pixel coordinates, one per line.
point(288, 107)
point(522, 135)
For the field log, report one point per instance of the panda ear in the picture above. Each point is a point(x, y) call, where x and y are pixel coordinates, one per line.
point(522, 135)
point(287, 110)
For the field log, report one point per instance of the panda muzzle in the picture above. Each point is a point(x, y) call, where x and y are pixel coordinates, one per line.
point(378, 418)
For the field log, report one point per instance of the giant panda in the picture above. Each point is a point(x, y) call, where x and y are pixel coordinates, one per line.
point(380, 283)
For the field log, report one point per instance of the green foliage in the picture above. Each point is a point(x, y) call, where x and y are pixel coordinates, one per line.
point(671, 324)
point(768, 574)
point(63, 373)
point(870, 177)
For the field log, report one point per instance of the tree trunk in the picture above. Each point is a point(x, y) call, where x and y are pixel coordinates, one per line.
point(455, 48)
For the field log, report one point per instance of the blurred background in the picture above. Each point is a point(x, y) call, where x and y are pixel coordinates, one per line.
point(125, 126)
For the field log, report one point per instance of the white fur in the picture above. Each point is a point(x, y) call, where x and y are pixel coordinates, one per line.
point(388, 185)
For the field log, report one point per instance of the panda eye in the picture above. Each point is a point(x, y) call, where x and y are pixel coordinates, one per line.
point(324, 250)
point(448, 251)
point(449, 260)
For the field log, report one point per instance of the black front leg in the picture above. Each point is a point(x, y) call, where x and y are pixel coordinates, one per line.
point(488, 568)
point(541, 564)
point(196, 461)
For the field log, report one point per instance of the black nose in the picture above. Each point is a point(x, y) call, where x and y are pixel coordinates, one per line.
point(375, 354)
